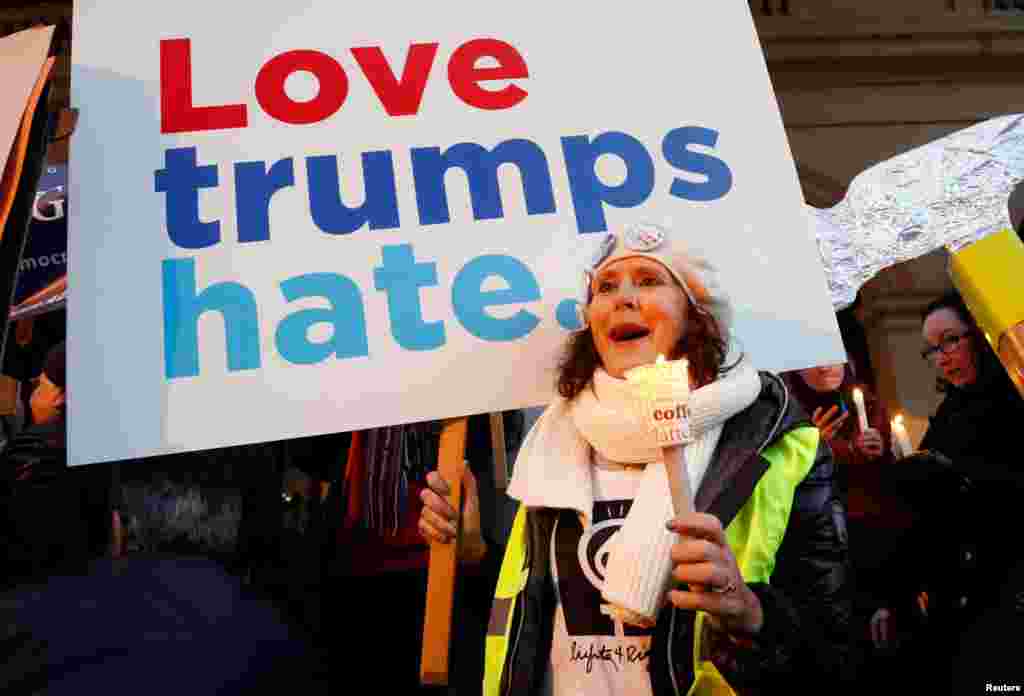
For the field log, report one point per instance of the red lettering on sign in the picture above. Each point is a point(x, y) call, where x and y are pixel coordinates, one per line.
point(399, 98)
point(276, 102)
point(465, 77)
point(177, 114)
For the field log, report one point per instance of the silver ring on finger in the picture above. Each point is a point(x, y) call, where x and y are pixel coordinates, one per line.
point(729, 588)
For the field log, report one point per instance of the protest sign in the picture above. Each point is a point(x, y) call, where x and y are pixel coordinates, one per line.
point(21, 57)
point(326, 222)
point(44, 260)
point(25, 127)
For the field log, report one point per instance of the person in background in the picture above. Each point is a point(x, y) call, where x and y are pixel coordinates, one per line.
point(826, 393)
point(967, 481)
point(57, 518)
point(76, 620)
point(851, 328)
point(877, 518)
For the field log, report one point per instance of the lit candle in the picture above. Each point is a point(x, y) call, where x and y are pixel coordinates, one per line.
point(862, 414)
point(652, 381)
point(900, 438)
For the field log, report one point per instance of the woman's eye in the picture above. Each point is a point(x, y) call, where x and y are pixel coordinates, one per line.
point(604, 287)
point(650, 281)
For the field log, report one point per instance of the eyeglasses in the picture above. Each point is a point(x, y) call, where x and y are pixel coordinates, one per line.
point(946, 345)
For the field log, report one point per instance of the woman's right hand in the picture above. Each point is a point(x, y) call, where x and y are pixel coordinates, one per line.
point(439, 521)
point(827, 423)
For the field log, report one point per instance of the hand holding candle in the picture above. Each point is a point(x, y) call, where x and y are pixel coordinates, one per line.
point(900, 440)
point(862, 413)
point(661, 393)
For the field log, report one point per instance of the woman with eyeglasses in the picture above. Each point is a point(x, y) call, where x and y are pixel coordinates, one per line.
point(967, 481)
point(975, 424)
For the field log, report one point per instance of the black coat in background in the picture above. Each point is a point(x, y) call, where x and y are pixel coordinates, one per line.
point(966, 551)
point(53, 518)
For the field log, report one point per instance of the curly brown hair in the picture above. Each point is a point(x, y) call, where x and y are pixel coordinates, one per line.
point(703, 343)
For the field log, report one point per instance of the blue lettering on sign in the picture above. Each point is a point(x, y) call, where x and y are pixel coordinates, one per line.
point(181, 178)
point(255, 185)
point(345, 315)
point(471, 303)
point(675, 147)
point(481, 168)
point(380, 205)
point(589, 193)
point(702, 177)
point(401, 277)
point(182, 308)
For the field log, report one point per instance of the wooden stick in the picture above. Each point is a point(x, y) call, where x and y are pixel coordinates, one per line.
point(441, 574)
point(678, 479)
point(498, 447)
point(1011, 352)
point(9, 388)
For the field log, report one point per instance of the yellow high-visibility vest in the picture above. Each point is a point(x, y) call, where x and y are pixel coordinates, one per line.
point(754, 536)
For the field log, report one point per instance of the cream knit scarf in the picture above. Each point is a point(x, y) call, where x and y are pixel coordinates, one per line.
point(554, 470)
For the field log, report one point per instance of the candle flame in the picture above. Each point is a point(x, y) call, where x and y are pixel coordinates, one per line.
point(858, 392)
point(661, 359)
point(898, 420)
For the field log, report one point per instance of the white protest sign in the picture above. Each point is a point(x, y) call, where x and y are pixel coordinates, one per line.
point(289, 220)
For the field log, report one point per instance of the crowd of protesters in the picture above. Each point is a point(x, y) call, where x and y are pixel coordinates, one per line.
point(324, 532)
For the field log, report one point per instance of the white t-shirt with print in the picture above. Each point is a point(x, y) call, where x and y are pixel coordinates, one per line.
point(592, 654)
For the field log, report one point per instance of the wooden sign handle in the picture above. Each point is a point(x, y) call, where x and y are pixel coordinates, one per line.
point(441, 573)
point(497, 421)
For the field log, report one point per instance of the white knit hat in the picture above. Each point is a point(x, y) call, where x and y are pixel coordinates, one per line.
point(696, 275)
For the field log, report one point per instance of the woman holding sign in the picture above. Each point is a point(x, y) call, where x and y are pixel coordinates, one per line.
point(615, 579)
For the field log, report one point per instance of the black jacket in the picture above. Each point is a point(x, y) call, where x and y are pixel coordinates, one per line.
point(975, 427)
point(807, 605)
point(52, 518)
point(967, 484)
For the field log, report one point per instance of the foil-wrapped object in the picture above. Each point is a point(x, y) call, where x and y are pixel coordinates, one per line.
point(948, 193)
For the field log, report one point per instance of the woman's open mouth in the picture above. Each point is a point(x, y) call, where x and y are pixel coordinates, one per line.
point(623, 333)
